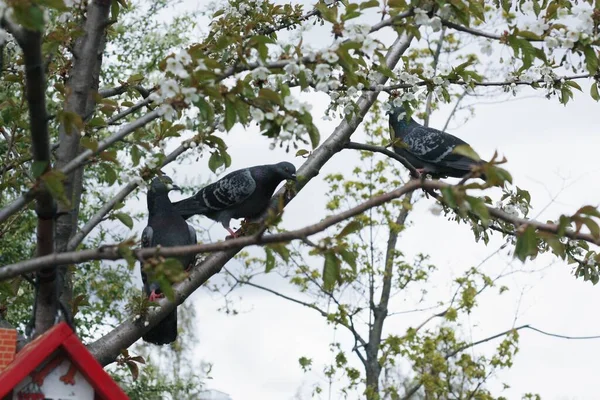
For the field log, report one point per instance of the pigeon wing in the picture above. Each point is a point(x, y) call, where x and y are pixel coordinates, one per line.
point(436, 147)
point(225, 193)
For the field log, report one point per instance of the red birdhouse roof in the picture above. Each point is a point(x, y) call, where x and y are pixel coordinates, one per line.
point(60, 337)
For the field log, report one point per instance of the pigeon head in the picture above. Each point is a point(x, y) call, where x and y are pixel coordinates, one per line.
point(286, 170)
point(397, 113)
point(162, 185)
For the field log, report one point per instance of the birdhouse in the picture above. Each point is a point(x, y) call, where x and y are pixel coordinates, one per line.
point(54, 366)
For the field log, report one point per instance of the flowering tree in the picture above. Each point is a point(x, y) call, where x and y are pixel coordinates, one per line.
point(93, 92)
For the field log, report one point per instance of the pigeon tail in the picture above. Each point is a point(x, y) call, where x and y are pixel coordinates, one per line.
point(165, 332)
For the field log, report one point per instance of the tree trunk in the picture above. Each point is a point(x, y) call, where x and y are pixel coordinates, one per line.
point(82, 85)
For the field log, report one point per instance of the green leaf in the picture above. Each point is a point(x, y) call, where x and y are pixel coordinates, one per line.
point(270, 95)
point(351, 227)
point(38, 168)
point(269, 261)
point(301, 152)
point(135, 78)
point(479, 208)
point(349, 258)
point(30, 16)
point(230, 115)
point(54, 183)
point(331, 271)
point(135, 155)
point(125, 219)
point(593, 227)
point(526, 245)
point(594, 91)
point(280, 249)
point(589, 210)
point(369, 4)
point(109, 174)
point(449, 197)
point(467, 151)
point(114, 10)
point(215, 161)
point(89, 143)
point(591, 59)
point(166, 287)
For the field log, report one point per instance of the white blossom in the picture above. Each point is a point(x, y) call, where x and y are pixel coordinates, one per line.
point(322, 71)
point(292, 69)
point(169, 88)
point(193, 144)
point(551, 42)
point(322, 86)
point(369, 46)
point(166, 111)
point(190, 95)
point(183, 57)
point(257, 114)
point(330, 57)
point(260, 73)
point(385, 107)
point(436, 23)
point(562, 13)
point(176, 68)
point(357, 32)
point(438, 80)
point(334, 84)
point(291, 103)
point(421, 17)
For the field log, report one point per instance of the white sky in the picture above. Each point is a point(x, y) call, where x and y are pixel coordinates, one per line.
point(549, 147)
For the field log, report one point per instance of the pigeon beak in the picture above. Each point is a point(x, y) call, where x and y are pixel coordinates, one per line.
point(293, 177)
point(175, 187)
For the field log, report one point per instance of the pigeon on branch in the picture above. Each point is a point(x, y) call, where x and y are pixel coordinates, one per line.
point(244, 193)
point(429, 150)
point(166, 228)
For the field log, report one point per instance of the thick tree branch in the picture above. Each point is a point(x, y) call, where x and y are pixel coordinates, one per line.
point(15, 30)
point(108, 347)
point(112, 252)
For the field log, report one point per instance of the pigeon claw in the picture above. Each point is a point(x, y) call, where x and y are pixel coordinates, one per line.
point(233, 234)
point(155, 296)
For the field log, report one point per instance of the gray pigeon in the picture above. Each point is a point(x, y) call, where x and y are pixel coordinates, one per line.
point(244, 193)
point(166, 228)
point(429, 150)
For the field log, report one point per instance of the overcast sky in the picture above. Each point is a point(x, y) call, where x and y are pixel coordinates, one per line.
point(552, 152)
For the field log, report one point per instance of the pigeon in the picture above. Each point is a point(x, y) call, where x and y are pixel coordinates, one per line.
point(244, 193)
point(429, 150)
point(166, 228)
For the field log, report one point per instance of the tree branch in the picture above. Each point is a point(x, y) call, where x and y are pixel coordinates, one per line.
point(112, 252)
point(115, 91)
point(81, 159)
point(107, 348)
point(378, 149)
point(130, 110)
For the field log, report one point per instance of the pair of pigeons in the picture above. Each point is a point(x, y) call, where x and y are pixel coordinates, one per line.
point(240, 194)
